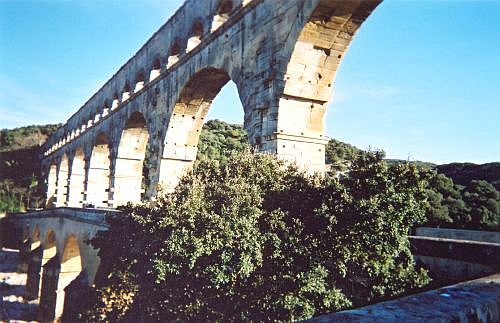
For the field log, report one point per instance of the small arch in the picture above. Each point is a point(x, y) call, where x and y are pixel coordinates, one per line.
point(195, 36)
point(51, 186)
point(128, 175)
point(126, 92)
point(50, 267)
point(49, 246)
point(24, 250)
point(35, 237)
point(98, 174)
point(105, 109)
point(155, 69)
point(115, 102)
point(77, 179)
point(97, 116)
point(175, 52)
point(223, 12)
point(139, 82)
point(90, 122)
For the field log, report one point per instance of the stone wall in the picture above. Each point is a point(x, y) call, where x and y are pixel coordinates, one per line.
point(472, 301)
point(472, 235)
point(456, 260)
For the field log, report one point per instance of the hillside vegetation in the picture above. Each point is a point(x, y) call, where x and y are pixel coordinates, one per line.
point(464, 173)
point(20, 178)
point(460, 195)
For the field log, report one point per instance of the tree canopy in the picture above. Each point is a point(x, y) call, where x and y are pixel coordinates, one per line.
point(251, 239)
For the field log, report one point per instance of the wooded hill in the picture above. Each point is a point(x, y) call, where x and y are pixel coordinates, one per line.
point(460, 194)
point(20, 176)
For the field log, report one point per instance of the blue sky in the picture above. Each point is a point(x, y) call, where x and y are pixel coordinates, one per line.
point(420, 81)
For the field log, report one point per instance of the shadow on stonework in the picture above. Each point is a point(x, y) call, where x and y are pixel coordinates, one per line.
point(78, 294)
point(13, 307)
point(8, 260)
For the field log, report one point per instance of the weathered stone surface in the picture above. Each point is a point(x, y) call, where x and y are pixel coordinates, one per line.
point(56, 251)
point(471, 235)
point(473, 301)
point(458, 260)
point(282, 56)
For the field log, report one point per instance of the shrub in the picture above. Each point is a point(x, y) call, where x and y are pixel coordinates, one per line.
point(251, 239)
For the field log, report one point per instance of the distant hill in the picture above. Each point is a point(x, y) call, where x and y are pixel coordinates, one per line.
point(464, 173)
point(20, 179)
point(415, 162)
point(25, 137)
point(218, 139)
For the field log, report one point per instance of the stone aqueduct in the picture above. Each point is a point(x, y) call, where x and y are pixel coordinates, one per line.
point(282, 56)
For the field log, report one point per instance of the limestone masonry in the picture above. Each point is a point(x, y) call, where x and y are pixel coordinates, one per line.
point(282, 56)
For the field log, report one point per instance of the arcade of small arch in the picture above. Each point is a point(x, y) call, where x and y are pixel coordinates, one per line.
point(282, 56)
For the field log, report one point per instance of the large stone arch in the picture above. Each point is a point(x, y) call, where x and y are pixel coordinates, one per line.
point(128, 166)
point(50, 267)
point(188, 115)
point(98, 179)
point(77, 179)
point(62, 181)
point(282, 56)
point(70, 269)
point(313, 50)
point(34, 266)
point(292, 69)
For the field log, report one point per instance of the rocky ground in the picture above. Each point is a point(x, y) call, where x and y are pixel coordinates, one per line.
point(13, 308)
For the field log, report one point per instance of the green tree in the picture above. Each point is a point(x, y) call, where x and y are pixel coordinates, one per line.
point(251, 239)
point(437, 211)
point(339, 154)
point(484, 202)
point(445, 205)
point(218, 140)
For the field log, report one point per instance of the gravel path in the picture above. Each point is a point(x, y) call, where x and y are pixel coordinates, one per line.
point(13, 308)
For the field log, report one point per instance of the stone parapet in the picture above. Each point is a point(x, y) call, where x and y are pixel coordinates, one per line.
point(473, 301)
point(471, 235)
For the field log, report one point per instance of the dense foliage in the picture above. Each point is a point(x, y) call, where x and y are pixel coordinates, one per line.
point(218, 140)
point(475, 206)
point(464, 173)
point(250, 239)
point(339, 154)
